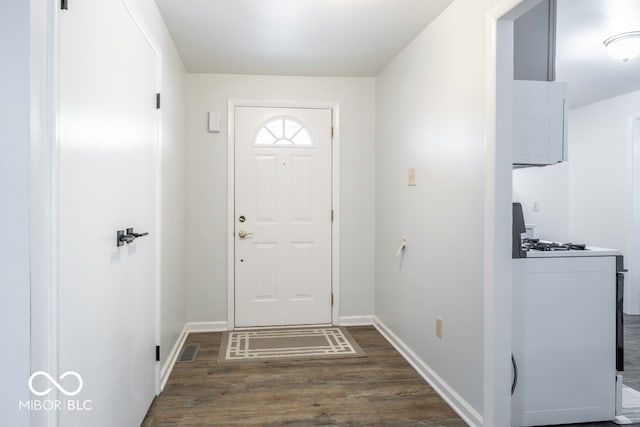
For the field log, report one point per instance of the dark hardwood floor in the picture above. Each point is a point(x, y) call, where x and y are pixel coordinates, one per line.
point(632, 352)
point(380, 389)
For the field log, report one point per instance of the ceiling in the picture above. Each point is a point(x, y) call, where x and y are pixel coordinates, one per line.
point(294, 37)
point(359, 37)
point(581, 59)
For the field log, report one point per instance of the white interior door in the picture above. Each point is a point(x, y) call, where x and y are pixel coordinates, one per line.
point(108, 142)
point(283, 203)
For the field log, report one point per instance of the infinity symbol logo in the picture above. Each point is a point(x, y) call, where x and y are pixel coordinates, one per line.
point(55, 383)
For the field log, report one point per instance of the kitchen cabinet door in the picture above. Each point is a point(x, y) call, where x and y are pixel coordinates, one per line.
point(539, 122)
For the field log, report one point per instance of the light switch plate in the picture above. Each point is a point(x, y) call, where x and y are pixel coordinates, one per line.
point(412, 176)
point(214, 121)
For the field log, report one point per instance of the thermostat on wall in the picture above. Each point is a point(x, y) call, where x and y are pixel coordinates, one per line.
point(214, 121)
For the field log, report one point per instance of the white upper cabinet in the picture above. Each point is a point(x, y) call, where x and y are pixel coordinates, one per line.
point(540, 111)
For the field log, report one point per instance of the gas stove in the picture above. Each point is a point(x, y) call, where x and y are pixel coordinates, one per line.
point(524, 247)
point(535, 248)
point(529, 244)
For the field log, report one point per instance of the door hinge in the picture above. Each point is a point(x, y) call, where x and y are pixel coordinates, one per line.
point(331, 215)
point(331, 299)
point(64, 5)
point(157, 101)
point(157, 353)
point(332, 133)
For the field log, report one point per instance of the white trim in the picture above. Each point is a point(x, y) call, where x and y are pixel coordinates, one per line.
point(43, 195)
point(335, 195)
point(195, 327)
point(497, 210)
point(231, 185)
point(448, 394)
point(172, 358)
point(355, 320)
point(189, 328)
point(335, 205)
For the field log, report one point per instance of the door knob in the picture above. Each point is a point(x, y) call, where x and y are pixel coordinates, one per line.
point(242, 234)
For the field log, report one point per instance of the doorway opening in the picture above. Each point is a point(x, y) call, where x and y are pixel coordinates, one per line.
point(503, 150)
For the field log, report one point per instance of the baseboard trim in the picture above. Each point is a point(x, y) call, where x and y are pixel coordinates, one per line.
point(461, 406)
point(189, 328)
point(167, 368)
point(355, 320)
point(193, 327)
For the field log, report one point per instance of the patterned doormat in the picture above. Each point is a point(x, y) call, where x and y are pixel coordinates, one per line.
point(288, 344)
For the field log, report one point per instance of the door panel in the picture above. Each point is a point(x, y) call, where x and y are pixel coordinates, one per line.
point(283, 189)
point(108, 137)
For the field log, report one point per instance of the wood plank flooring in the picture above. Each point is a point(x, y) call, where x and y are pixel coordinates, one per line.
point(381, 389)
point(631, 375)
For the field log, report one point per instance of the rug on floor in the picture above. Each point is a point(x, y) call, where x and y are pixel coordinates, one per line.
point(288, 344)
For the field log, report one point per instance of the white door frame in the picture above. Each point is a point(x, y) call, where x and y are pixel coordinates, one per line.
point(43, 195)
point(45, 190)
point(335, 196)
point(498, 194)
point(631, 301)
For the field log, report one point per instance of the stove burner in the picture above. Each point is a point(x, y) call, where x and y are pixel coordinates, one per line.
point(537, 245)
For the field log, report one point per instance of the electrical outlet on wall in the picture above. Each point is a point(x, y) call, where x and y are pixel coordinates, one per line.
point(438, 326)
point(535, 207)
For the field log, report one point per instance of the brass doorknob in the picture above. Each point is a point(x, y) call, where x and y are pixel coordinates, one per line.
point(242, 234)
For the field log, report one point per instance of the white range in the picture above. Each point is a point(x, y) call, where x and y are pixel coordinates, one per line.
point(587, 251)
point(565, 308)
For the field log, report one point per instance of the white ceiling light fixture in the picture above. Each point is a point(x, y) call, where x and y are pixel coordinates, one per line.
point(623, 46)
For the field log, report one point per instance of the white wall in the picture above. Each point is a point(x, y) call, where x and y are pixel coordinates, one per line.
point(600, 153)
point(207, 183)
point(173, 180)
point(14, 211)
point(548, 187)
point(430, 109)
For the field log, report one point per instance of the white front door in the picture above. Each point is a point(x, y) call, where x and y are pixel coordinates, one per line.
point(282, 216)
point(108, 142)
